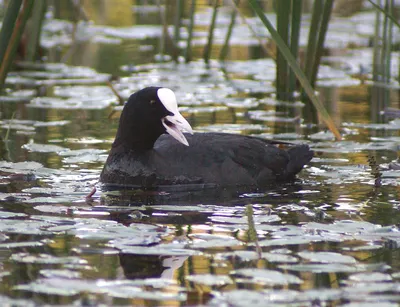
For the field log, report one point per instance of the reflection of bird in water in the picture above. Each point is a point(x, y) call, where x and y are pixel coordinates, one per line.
point(171, 264)
point(149, 266)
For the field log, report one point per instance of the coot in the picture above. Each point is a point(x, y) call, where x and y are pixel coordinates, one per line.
point(150, 150)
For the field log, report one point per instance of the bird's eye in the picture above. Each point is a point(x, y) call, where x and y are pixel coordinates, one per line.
point(152, 101)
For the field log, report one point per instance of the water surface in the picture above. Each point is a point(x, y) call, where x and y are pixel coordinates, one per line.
point(330, 238)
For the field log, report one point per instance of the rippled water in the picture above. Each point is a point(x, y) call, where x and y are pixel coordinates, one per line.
point(330, 238)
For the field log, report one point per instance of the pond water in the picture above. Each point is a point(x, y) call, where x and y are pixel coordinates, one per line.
point(330, 238)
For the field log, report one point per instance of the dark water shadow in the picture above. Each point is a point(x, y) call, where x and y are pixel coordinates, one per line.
point(192, 194)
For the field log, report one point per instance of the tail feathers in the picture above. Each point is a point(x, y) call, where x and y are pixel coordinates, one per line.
point(298, 157)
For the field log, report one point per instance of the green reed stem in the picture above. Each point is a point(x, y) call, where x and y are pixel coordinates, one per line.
point(295, 40)
point(33, 45)
point(376, 51)
point(380, 94)
point(7, 27)
point(163, 37)
point(384, 46)
point(282, 71)
point(178, 21)
point(254, 33)
point(208, 47)
point(313, 38)
point(225, 48)
point(318, 28)
point(252, 232)
point(326, 15)
point(389, 15)
point(387, 49)
point(78, 11)
point(7, 136)
point(375, 171)
point(377, 96)
point(188, 52)
point(14, 39)
point(390, 41)
point(297, 70)
point(57, 8)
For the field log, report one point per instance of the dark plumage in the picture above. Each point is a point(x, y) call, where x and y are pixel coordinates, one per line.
point(144, 155)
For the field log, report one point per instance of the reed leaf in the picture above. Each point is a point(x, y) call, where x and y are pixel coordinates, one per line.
point(77, 10)
point(8, 25)
point(38, 11)
point(387, 14)
point(313, 38)
point(7, 136)
point(252, 232)
point(297, 70)
point(208, 47)
point(178, 21)
point(163, 19)
point(383, 41)
point(387, 42)
point(282, 71)
point(224, 50)
point(14, 39)
point(295, 39)
point(243, 19)
point(188, 51)
point(376, 44)
point(323, 28)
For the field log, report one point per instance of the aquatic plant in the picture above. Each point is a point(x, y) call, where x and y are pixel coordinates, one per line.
point(36, 21)
point(208, 46)
point(291, 60)
point(382, 48)
point(14, 22)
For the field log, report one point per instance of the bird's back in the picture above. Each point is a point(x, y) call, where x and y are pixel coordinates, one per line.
point(211, 158)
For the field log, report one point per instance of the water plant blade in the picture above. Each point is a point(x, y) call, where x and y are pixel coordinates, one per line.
point(178, 21)
point(283, 13)
point(297, 70)
point(225, 47)
point(35, 28)
point(8, 25)
point(14, 40)
point(323, 28)
point(313, 38)
point(385, 12)
point(295, 39)
point(208, 47)
point(188, 51)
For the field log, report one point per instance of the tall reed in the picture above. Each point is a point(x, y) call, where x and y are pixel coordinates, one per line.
point(294, 40)
point(316, 37)
point(283, 12)
point(33, 44)
point(13, 33)
point(283, 48)
point(381, 72)
point(319, 26)
point(208, 46)
point(8, 24)
point(224, 50)
point(188, 51)
point(178, 21)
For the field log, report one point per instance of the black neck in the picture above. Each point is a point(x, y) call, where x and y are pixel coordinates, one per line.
point(137, 133)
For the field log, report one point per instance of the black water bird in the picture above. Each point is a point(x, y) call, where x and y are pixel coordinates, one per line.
point(150, 150)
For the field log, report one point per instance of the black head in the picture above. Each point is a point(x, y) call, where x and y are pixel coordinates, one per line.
point(147, 114)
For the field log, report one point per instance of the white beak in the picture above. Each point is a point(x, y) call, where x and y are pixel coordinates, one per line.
point(174, 124)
